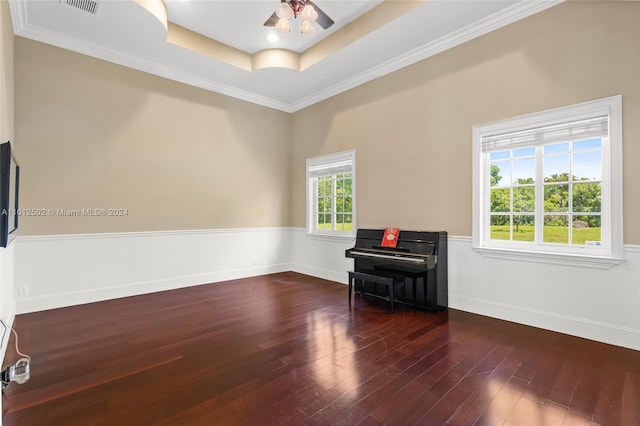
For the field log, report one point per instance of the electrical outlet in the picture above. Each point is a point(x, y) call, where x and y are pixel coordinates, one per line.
point(23, 290)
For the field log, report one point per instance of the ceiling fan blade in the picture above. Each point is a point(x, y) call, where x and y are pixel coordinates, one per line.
point(272, 21)
point(323, 19)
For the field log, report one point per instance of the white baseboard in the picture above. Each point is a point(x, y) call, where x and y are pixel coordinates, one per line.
point(580, 327)
point(71, 298)
point(325, 274)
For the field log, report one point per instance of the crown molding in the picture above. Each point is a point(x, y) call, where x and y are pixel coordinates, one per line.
point(18, 10)
point(22, 28)
point(498, 20)
point(484, 26)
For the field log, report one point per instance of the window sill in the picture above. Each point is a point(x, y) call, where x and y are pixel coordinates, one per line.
point(564, 259)
point(334, 237)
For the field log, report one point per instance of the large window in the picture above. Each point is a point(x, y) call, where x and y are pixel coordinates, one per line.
point(331, 194)
point(550, 184)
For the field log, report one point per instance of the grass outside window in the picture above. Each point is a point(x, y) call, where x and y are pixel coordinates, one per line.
point(552, 234)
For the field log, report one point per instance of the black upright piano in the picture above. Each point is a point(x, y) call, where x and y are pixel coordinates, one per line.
point(420, 256)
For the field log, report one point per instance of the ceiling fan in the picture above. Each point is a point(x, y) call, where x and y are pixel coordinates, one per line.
point(307, 10)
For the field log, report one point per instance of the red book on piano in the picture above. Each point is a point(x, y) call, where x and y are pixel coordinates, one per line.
point(390, 237)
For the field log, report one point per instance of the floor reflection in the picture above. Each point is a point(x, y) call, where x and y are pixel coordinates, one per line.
point(333, 349)
point(512, 405)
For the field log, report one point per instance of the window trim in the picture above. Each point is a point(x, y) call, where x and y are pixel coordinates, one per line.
point(328, 160)
point(612, 185)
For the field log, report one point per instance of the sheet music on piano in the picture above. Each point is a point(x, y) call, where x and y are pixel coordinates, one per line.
point(390, 237)
point(420, 255)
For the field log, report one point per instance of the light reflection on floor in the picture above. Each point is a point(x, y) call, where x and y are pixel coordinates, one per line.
point(511, 405)
point(333, 348)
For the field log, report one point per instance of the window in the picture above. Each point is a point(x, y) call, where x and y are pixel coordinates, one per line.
point(549, 185)
point(331, 194)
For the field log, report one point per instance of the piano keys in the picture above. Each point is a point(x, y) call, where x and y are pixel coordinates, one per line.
point(420, 256)
point(427, 260)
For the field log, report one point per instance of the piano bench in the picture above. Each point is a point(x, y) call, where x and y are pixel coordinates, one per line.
point(388, 279)
point(413, 277)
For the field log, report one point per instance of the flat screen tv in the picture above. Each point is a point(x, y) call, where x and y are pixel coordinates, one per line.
point(9, 184)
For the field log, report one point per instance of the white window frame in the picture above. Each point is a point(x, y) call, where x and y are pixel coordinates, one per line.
point(611, 250)
point(338, 163)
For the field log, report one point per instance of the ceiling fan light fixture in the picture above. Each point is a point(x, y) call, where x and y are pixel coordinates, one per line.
point(287, 9)
point(309, 13)
point(306, 27)
point(284, 11)
point(283, 26)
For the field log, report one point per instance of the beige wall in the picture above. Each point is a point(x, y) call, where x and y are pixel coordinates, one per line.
point(412, 129)
point(6, 75)
point(97, 135)
point(7, 304)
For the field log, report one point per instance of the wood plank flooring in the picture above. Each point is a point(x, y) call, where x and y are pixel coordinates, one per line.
point(285, 349)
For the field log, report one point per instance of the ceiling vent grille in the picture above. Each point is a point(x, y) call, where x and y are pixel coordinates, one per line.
point(89, 6)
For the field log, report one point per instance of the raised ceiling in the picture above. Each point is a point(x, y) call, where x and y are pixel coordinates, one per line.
point(222, 46)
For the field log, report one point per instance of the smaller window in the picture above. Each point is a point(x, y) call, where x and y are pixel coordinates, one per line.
point(331, 194)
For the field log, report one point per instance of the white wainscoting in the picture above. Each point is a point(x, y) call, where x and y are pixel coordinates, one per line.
point(58, 271)
point(64, 270)
point(321, 257)
point(597, 304)
point(7, 301)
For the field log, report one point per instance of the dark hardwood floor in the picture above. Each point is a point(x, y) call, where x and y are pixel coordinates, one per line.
point(286, 349)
